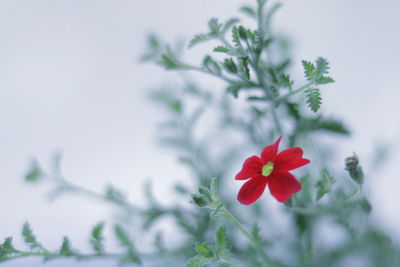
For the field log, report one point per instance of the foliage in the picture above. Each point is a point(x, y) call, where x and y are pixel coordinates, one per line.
point(216, 230)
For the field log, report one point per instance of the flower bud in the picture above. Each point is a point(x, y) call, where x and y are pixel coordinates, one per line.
point(200, 200)
point(204, 191)
point(354, 169)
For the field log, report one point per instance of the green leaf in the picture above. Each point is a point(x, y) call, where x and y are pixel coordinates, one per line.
point(197, 261)
point(230, 65)
point(211, 65)
point(309, 69)
point(220, 237)
point(313, 99)
point(6, 248)
point(255, 233)
point(169, 63)
point(114, 194)
point(249, 11)
point(235, 36)
point(242, 32)
point(332, 125)
point(228, 25)
point(122, 236)
point(306, 193)
point(199, 38)
point(30, 238)
point(66, 249)
point(234, 89)
point(322, 66)
point(324, 80)
point(324, 184)
point(204, 250)
point(35, 174)
point(205, 192)
point(96, 238)
point(200, 200)
point(214, 186)
point(124, 240)
point(245, 67)
point(273, 76)
point(285, 81)
point(221, 49)
point(214, 26)
point(293, 110)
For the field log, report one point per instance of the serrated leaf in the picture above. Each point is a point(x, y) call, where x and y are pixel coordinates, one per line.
point(124, 240)
point(235, 36)
point(273, 76)
point(324, 184)
point(197, 261)
point(66, 249)
point(285, 81)
point(242, 32)
point(6, 248)
point(122, 236)
point(249, 11)
point(309, 69)
point(199, 38)
point(322, 66)
point(168, 63)
point(204, 250)
point(214, 26)
point(293, 110)
point(313, 99)
point(221, 49)
point(230, 65)
point(211, 65)
point(96, 238)
point(234, 90)
point(228, 25)
point(332, 125)
point(220, 237)
point(114, 194)
point(245, 67)
point(324, 80)
point(30, 238)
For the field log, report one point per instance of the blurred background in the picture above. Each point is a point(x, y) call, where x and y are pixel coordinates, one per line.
point(71, 82)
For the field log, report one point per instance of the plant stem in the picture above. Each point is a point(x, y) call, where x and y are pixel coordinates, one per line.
point(321, 208)
point(284, 97)
point(255, 243)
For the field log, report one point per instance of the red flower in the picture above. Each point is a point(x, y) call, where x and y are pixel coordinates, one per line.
point(272, 169)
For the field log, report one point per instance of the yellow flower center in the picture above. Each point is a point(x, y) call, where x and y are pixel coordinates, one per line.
point(267, 168)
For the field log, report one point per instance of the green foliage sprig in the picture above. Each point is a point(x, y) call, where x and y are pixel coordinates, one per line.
point(254, 65)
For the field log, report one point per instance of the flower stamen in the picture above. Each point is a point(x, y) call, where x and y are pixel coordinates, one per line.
point(267, 168)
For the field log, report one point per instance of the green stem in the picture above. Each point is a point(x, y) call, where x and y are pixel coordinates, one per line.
point(286, 96)
point(86, 192)
point(255, 243)
point(321, 208)
point(46, 255)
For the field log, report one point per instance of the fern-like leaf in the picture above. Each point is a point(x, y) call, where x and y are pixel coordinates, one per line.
point(314, 99)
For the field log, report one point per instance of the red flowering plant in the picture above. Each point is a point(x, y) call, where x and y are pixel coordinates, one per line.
point(272, 169)
point(254, 65)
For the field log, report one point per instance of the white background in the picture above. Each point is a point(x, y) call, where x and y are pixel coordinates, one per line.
point(70, 81)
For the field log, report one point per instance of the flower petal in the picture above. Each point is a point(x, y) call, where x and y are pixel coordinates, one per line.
point(251, 167)
point(270, 151)
point(283, 185)
point(252, 190)
point(290, 159)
